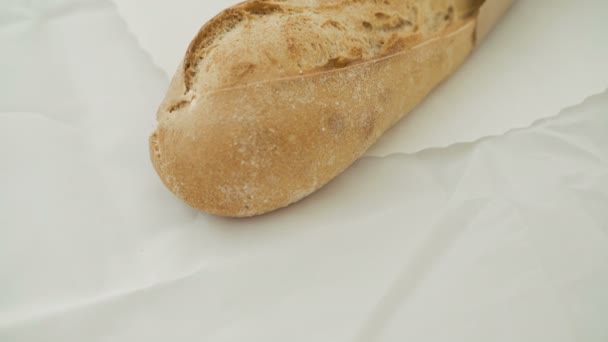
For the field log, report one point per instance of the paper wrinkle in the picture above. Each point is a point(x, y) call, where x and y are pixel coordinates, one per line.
point(500, 231)
point(139, 44)
point(47, 10)
point(540, 126)
point(86, 132)
point(38, 115)
point(584, 208)
point(72, 8)
point(100, 299)
point(440, 234)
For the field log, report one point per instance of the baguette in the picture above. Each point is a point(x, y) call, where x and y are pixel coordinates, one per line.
point(274, 99)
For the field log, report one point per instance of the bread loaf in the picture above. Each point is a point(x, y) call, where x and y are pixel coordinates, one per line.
point(275, 98)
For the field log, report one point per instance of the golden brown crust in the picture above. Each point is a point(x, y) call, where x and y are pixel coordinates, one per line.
point(276, 98)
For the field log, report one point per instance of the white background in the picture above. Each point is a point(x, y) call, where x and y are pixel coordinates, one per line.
point(504, 239)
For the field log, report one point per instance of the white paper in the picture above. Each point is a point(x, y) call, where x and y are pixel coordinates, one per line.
point(504, 239)
point(545, 55)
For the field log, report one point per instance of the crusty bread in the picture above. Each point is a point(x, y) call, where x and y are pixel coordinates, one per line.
point(275, 98)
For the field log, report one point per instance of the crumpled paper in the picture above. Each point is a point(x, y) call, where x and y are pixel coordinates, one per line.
point(501, 239)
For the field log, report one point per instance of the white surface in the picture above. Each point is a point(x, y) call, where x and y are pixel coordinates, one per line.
point(505, 239)
point(544, 56)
